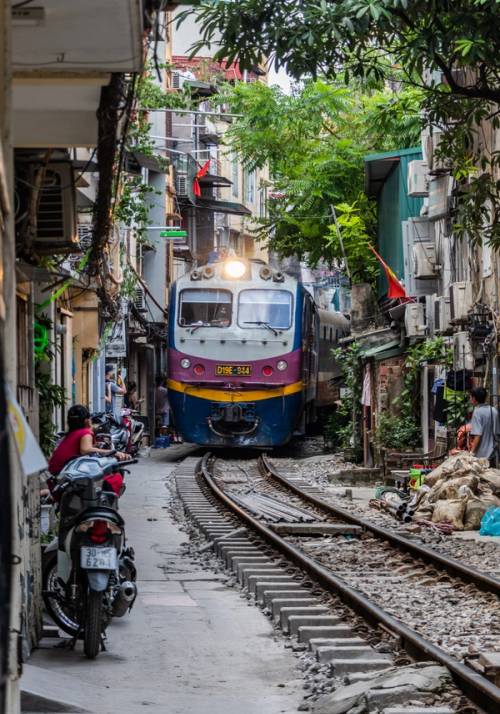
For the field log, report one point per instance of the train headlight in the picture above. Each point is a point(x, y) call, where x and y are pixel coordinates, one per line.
point(235, 269)
point(267, 370)
point(281, 365)
point(199, 369)
point(185, 363)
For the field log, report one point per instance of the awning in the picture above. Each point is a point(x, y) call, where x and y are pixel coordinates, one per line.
point(384, 351)
point(214, 180)
point(152, 162)
point(211, 204)
point(210, 138)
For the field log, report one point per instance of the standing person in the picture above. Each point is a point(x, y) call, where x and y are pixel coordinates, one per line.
point(484, 426)
point(111, 390)
point(131, 400)
point(161, 403)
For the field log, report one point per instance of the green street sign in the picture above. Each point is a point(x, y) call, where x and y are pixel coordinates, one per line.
point(173, 234)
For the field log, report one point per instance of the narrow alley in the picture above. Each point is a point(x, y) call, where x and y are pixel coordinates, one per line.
point(185, 646)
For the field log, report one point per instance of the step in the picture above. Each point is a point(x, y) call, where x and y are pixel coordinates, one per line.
point(336, 630)
point(287, 614)
point(246, 572)
point(367, 664)
point(316, 642)
point(327, 653)
point(297, 621)
point(296, 594)
point(277, 604)
point(276, 583)
point(279, 578)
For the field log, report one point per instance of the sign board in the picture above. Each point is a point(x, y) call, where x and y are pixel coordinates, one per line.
point(173, 234)
point(30, 453)
point(116, 345)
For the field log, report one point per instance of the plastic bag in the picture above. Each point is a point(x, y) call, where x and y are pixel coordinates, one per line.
point(490, 523)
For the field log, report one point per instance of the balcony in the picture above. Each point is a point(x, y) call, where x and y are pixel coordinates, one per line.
point(63, 53)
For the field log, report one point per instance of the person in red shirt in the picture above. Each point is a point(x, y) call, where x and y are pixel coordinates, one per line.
point(79, 441)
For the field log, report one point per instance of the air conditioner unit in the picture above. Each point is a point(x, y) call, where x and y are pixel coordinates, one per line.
point(56, 212)
point(177, 80)
point(463, 357)
point(424, 260)
point(417, 179)
point(181, 184)
point(85, 233)
point(430, 309)
point(436, 165)
point(140, 299)
point(439, 197)
point(442, 314)
point(415, 324)
point(460, 300)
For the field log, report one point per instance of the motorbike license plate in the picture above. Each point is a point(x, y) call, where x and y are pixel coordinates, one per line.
point(233, 370)
point(99, 558)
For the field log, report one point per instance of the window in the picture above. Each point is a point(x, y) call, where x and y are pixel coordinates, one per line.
point(271, 308)
point(235, 175)
point(263, 202)
point(205, 308)
point(250, 187)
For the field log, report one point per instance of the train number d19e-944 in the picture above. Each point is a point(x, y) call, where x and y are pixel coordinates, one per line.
point(242, 355)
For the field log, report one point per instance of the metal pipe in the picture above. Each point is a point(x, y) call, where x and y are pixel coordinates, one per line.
point(192, 111)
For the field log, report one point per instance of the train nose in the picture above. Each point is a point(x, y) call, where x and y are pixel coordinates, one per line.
point(232, 419)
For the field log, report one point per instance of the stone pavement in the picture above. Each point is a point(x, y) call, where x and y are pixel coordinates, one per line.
point(190, 645)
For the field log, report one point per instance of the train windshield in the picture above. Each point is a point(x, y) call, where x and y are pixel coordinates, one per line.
point(265, 308)
point(205, 308)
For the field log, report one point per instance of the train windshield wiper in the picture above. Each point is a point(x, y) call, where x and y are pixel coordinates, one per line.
point(264, 324)
point(200, 324)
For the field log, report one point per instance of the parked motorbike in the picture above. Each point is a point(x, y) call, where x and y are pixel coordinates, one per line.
point(126, 436)
point(89, 573)
point(135, 429)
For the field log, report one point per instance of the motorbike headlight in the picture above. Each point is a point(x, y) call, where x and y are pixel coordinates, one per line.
point(185, 363)
point(281, 365)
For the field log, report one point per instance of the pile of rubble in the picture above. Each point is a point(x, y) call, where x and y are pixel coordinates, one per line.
point(458, 492)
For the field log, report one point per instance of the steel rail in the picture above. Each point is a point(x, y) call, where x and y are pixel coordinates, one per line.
point(480, 690)
point(455, 567)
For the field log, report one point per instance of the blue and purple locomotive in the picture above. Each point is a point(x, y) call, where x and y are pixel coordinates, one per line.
point(242, 355)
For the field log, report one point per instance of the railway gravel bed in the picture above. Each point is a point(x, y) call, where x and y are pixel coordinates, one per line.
point(453, 614)
point(339, 653)
point(321, 473)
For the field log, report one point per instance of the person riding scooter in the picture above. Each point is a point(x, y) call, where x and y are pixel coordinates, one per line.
point(79, 441)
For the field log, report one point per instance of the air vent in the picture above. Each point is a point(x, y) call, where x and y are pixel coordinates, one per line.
point(140, 299)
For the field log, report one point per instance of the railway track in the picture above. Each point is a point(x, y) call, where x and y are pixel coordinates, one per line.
point(282, 541)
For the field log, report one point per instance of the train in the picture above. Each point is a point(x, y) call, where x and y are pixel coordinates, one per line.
point(244, 353)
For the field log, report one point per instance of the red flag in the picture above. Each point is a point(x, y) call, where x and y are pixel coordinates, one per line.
point(395, 289)
point(196, 183)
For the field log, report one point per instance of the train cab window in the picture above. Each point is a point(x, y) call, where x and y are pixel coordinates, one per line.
point(265, 308)
point(205, 308)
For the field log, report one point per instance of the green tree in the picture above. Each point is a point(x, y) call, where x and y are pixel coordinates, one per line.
point(450, 51)
point(314, 142)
